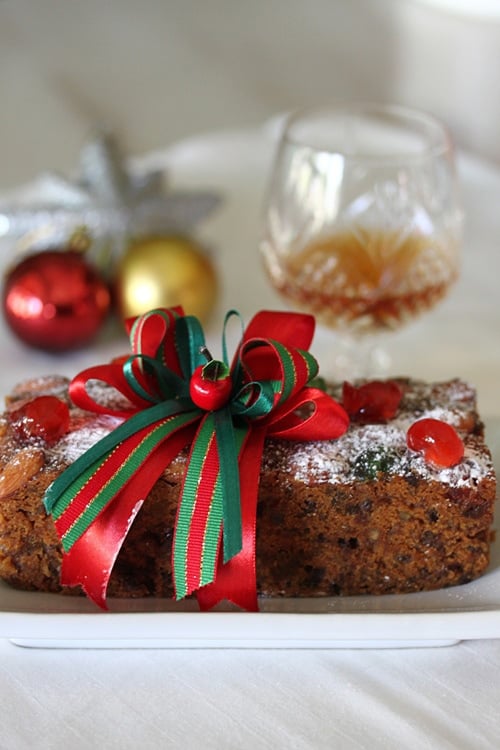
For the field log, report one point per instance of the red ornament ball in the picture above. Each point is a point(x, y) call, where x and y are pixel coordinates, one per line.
point(55, 300)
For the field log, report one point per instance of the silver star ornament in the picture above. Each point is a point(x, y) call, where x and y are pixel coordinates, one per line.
point(110, 201)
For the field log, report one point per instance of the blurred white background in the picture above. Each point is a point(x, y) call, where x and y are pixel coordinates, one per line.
point(157, 71)
point(188, 83)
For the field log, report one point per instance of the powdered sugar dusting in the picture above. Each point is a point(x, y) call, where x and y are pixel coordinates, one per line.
point(338, 460)
point(372, 447)
point(86, 432)
point(105, 394)
point(359, 454)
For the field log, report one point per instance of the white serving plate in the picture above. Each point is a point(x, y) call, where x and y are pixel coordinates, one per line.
point(434, 618)
point(462, 339)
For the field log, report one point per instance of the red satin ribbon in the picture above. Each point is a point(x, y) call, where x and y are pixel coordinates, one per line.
point(90, 560)
point(236, 579)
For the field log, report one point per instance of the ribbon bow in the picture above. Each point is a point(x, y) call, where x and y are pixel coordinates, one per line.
point(175, 398)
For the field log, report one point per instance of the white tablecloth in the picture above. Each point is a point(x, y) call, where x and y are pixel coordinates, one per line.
point(434, 698)
point(431, 699)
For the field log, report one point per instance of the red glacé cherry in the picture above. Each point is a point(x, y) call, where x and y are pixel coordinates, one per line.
point(438, 441)
point(210, 386)
point(376, 401)
point(45, 418)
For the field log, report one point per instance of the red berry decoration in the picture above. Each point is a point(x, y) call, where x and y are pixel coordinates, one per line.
point(45, 418)
point(376, 401)
point(55, 300)
point(437, 440)
point(210, 385)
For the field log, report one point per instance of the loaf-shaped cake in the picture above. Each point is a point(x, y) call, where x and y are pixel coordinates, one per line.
point(362, 514)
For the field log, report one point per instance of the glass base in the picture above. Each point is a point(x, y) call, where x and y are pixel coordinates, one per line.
point(347, 357)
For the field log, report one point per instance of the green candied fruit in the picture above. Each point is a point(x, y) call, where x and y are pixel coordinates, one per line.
point(370, 463)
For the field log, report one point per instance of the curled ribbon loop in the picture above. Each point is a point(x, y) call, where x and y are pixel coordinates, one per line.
point(94, 502)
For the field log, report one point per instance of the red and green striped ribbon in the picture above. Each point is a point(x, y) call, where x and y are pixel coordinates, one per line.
point(209, 505)
point(81, 492)
point(166, 350)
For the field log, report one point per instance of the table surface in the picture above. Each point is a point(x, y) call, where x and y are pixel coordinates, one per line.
point(164, 77)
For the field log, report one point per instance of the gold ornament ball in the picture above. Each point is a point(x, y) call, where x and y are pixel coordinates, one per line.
point(165, 272)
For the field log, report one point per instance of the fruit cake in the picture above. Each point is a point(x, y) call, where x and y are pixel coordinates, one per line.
point(379, 510)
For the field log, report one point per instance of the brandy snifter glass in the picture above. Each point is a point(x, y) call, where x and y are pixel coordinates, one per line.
point(362, 219)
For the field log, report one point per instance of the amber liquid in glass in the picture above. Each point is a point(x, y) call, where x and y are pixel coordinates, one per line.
point(367, 280)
